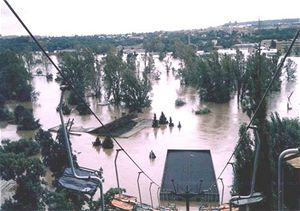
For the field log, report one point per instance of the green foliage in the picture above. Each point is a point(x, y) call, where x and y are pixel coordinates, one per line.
point(5, 114)
point(29, 60)
point(14, 79)
point(107, 143)
point(135, 91)
point(79, 68)
point(282, 133)
point(290, 68)
point(202, 111)
point(285, 134)
point(113, 70)
point(66, 110)
point(131, 61)
point(211, 74)
point(109, 195)
point(53, 151)
point(59, 201)
point(152, 42)
point(24, 118)
point(162, 119)
point(259, 72)
point(179, 102)
point(12, 165)
point(28, 147)
point(216, 83)
point(243, 165)
point(82, 109)
point(238, 71)
point(155, 122)
point(148, 63)
point(2, 100)
point(26, 172)
point(55, 157)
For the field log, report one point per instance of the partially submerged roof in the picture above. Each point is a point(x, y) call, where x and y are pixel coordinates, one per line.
point(191, 171)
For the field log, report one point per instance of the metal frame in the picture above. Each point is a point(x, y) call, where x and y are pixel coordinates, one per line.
point(70, 158)
point(138, 183)
point(252, 193)
point(280, 174)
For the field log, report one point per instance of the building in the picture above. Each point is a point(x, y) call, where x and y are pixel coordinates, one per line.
point(285, 44)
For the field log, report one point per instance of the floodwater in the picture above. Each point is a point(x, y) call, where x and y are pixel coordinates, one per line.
point(217, 131)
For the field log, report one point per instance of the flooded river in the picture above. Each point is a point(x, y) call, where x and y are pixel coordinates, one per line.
point(217, 131)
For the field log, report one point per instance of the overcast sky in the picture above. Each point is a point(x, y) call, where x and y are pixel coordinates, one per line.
point(88, 17)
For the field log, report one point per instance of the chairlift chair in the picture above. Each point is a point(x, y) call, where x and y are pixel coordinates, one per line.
point(253, 197)
point(79, 179)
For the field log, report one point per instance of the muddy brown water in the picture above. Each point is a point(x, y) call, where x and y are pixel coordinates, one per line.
point(216, 131)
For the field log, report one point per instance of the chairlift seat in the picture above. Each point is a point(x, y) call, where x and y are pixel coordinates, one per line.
point(255, 198)
point(68, 181)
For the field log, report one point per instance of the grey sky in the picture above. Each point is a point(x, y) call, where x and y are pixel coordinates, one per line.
point(88, 17)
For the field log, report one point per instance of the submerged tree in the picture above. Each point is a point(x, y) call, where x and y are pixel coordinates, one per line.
point(290, 68)
point(259, 73)
point(113, 70)
point(79, 68)
point(239, 70)
point(135, 91)
point(26, 171)
point(28, 57)
point(243, 165)
point(131, 61)
point(25, 119)
point(54, 152)
point(14, 79)
point(148, 63)
point(216, 83)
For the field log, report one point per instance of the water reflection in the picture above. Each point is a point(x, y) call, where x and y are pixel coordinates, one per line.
point(216, 131)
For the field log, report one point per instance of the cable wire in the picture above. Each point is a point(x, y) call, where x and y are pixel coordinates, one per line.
point(74, 89)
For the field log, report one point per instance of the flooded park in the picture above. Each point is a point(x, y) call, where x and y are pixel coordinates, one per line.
point(216, 131)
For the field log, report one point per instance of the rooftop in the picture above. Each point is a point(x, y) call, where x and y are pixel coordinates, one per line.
point(189, 172)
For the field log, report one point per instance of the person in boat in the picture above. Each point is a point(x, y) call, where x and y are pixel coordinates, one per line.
point(152, 155)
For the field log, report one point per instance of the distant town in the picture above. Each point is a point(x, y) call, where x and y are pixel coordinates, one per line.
point(275, 34)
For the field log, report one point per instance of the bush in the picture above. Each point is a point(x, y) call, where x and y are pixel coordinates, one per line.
point(108, 143)
point(179, 102)
point(28, 122)
point(82, 109)
point(204, 110)
point(18, 113)
point(65, 109)
point(28, 147)
point(5, 114)
point(25, 119)
point(162, 119)
point(2, 100)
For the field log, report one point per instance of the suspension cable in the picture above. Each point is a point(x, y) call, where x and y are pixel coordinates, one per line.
point(75, 91)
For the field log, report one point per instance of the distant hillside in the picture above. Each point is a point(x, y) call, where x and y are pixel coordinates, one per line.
point(266, 23)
